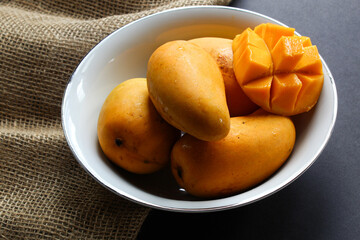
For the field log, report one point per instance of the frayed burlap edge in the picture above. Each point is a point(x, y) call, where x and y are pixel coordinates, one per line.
point(44, 193)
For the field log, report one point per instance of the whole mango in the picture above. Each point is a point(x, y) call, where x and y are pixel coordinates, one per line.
point(256, 146)
point(186, 86)
point(220, 49)
point(130, 131)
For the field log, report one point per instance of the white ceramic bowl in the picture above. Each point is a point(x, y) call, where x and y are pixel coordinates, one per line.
point(123, 55)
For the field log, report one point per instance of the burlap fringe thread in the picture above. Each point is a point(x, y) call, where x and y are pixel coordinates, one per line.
point(44, 194)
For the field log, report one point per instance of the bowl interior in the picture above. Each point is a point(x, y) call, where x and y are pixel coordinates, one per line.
point(124, 55)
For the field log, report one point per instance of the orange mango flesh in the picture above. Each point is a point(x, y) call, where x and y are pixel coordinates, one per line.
point(310, 61)
point(310, 83)
point(280, 72)
point(306, 41)
point(259, 90)
point(286, 53)
point(284, 90)
point(271, 33)
point(253, 60)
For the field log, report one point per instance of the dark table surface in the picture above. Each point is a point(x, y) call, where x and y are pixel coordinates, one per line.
point(324, 203)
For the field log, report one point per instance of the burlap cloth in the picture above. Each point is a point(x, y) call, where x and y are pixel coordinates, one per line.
point(44, 193)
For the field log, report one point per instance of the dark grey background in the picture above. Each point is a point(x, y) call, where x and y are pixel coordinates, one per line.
point(324, 203)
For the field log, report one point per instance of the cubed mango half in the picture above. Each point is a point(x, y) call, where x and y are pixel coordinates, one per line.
point(279, 71)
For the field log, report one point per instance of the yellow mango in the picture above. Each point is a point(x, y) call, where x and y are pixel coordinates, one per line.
point(130, 131)
point(255, 148)
point(221, 51)
point(187, 88)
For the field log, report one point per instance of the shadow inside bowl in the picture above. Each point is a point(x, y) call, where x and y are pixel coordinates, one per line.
point(161, 183)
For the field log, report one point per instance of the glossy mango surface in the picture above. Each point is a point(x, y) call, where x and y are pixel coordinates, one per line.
point(277, 70)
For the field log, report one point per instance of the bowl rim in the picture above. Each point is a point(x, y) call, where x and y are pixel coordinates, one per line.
point(256, 198)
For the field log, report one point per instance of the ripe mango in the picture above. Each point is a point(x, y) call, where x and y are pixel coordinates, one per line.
point(221, 50)
point(130, 131)
point(187, 89)
point(256, 146)
point(283, 72)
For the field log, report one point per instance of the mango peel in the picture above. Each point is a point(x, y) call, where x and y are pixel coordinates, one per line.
point(221, 50)
point(186, 87)
point(256, 146)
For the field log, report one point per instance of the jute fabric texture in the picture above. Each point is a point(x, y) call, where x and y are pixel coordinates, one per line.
point(44, 193)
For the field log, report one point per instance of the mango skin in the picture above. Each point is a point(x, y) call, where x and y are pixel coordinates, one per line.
point(256, 146)
point(130, 131)
point(187, 89)
point(221, 50)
